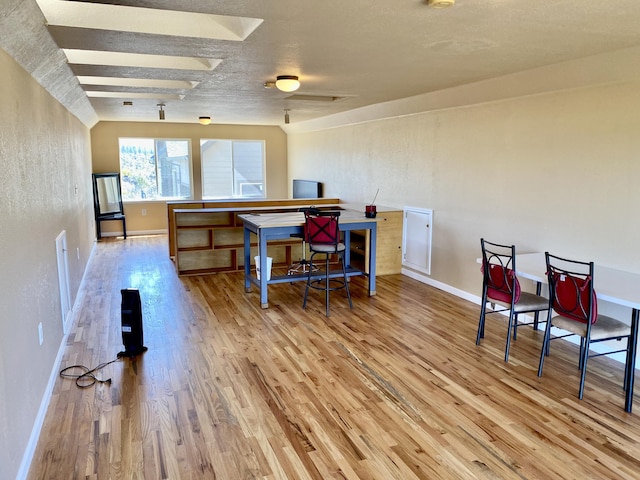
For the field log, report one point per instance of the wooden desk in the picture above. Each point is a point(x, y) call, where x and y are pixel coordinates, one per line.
point(614, 286)
point(274, 226)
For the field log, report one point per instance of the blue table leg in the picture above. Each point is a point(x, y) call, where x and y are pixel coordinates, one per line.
point(347, 251)
point(262, 252)
point(247, 259)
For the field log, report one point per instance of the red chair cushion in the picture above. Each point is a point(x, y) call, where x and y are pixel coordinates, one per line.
point(500, 284)
point(572, 298)
point(322, 229)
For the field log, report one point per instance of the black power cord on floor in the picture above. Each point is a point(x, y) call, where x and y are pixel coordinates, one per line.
point(86, 377)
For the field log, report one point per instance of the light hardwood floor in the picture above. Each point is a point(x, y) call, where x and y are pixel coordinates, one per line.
point(394, 389)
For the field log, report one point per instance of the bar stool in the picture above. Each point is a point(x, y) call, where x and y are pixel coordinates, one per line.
point(322, 233)
point(303, 264)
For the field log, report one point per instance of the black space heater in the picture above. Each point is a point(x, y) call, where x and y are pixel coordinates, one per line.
point(132, 336)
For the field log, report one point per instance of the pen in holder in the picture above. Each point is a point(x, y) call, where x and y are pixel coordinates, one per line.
point(370, 210)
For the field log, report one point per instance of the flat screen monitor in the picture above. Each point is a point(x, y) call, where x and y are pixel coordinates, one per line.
point(307, 189)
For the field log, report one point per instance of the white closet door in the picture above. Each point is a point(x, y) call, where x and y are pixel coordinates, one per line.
point(416, 239)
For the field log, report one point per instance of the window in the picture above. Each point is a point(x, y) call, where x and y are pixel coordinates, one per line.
point(232, 168)
point(155, 169)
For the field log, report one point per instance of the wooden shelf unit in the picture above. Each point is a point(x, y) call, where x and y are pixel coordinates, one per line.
point(207, 237)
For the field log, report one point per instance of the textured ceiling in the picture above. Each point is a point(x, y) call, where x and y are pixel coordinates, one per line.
point(348, 54)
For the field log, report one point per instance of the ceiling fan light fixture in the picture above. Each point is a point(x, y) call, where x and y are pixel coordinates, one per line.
point(440, 3)
point(204, 120)
point(287, 83)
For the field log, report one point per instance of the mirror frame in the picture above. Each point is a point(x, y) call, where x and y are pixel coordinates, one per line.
point(96, 197)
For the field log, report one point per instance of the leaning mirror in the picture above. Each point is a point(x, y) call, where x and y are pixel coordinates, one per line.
point(107, 200)
point(108, 197)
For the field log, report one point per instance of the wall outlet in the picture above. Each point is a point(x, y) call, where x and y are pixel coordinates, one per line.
point(144, 212)
point(40, 333)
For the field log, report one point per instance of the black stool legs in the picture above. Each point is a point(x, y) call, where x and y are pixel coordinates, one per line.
point(316, 284)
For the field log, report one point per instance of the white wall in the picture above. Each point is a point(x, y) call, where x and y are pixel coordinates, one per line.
point(556, 171)
point(45, 154)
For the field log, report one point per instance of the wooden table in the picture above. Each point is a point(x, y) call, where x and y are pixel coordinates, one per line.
point(274, 226)
point(614, 286)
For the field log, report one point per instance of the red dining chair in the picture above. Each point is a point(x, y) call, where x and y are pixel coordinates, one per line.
point(575, 310)
point(501, 291)
point(322, 233)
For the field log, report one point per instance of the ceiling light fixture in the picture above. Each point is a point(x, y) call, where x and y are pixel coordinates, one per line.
point(440, 3)
point(287, 83)
point(286, 116)
point(161, 111)
point(204, 120)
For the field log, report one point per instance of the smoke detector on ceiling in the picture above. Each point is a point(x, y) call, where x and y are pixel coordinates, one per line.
point(440, 3)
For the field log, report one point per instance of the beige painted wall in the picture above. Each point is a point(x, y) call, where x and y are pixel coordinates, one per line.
point(104, 147)
point(45, 154)
point(555, 172)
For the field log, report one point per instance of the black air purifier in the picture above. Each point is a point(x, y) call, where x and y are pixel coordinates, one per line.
point(132, 336)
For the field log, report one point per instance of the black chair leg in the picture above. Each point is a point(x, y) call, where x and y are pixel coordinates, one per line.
point(327, 282)
point(483, 310)
point(626, 366)
point(346, 281)
point(480, 327)
point(537, 314)
point(326, 285)
point(583, 369)
point(512, 318)
point(306, 288)
point(545, 344)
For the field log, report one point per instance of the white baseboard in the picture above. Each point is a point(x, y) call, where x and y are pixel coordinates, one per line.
point(135, 233)
point(27, 457)
point(595, 347)
point(421, 277)
point(30, 450)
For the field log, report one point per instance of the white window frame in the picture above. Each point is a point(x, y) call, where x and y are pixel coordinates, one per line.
point(157, 198)
point(236, 183)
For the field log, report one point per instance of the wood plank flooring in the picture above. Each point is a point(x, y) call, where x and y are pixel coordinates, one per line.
point(393, 389)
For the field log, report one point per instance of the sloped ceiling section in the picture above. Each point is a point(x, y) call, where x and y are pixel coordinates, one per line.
point(214, 58)
point(115, 56)
point(28, 42)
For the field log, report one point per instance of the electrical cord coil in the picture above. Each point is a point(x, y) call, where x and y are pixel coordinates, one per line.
point(87, 376)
